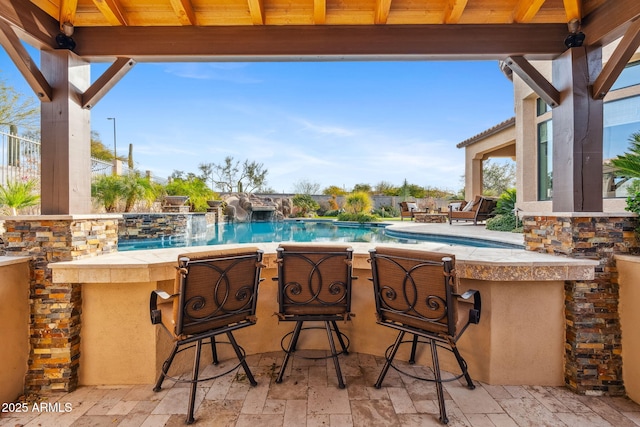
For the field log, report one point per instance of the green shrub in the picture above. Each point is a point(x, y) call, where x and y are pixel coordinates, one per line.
point(356, 217)
point(502, 223)
point(506, 203)
point(387, 211)
point(195, 188)
point(358, 202)
point(305, 204)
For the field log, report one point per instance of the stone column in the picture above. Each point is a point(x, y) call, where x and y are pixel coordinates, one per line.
point(56, 309)
point(593, 361)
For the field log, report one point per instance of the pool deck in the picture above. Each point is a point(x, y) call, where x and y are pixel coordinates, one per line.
point(309, 396)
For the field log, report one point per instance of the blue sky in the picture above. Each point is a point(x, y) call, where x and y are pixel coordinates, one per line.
point(331, 123)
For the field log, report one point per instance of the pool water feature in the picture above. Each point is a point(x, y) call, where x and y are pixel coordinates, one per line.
point(303, 231)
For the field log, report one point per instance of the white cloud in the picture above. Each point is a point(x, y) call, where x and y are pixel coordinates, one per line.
point(228, 72)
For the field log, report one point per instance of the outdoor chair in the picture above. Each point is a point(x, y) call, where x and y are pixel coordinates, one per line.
point(314, 285)
point(416, 293)
point(480, 209)
point(408, 210)
point(215, 293)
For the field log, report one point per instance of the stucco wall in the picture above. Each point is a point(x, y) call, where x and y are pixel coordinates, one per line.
point(519, 340)
point(629, 280)
point(14, 332)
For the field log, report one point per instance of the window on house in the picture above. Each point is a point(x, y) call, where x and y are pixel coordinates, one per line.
point(621, 122)
point(630, 76)
point(541, 107)
point(545, 160)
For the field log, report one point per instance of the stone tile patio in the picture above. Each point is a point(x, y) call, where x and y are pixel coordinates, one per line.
point(309, 396)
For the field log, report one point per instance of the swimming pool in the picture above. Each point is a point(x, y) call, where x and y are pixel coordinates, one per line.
point(305, 231)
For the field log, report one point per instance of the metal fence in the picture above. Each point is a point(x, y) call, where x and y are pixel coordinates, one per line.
point(21, 161)
point(20, 158)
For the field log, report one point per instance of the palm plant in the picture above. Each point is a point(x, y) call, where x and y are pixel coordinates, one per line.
point(628, 164)
point(135, 188)
point(19, 194)
point(107, 190)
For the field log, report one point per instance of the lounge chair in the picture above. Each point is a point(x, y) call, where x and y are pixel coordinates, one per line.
point(408, 210)
point(480, 209)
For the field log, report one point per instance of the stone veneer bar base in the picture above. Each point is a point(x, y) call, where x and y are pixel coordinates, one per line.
point(593, 361)
point(56, 308)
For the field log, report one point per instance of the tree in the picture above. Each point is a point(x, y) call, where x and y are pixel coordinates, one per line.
point(207, 172)
point(15, 109)
point(385, 188)
point(366, 188)
point(497, 178)
point(19, 194)
point(410, 190)
point(334, 190)
point(99, 150)
point(253, 176)
point(305, 186)
point(229, 176)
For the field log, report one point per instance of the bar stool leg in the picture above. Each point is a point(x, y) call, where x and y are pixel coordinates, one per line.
point(334, 355)
point(387, 364)
point(345, 350)
point(292, 347)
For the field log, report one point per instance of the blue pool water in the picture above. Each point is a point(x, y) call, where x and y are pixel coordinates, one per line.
point(304, 231)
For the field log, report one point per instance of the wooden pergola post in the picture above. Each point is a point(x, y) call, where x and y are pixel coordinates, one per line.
point(66, 136)
point(577, 132)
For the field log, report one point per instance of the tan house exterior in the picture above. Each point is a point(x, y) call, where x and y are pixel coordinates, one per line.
point(517, 138)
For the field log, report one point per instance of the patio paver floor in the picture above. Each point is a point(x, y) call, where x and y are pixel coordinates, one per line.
point(308, 396)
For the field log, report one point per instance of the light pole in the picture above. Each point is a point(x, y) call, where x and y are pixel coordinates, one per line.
point(115, 150)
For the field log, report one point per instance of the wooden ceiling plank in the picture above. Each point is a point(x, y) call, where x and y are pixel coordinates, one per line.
point(184, 11)
point(454, 11)
point(24, 62)
point(112, 11)
point(526, 10)
point(290, 42)
point(382, 11)
point(609, 21)
point(573, 9)
point(319, 11)
point(106, 81)
point(34, 25)
point(256, 8)
point(536, 81)
point(67, 12)
point(619, 59)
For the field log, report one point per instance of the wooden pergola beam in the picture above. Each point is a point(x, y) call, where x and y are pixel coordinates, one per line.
point(382, 11)
point(619, 59)
point(526, 10)
point(184, 10)
point(112, 11)
point(256, 9)
point(24, 62)
point(573, 9)
point(67, 11)
point(106, 81)
point(33, 24)
point(454, 11)
point(319, 11)
point(390, 42)
point(534, 79)
point(610, 21)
